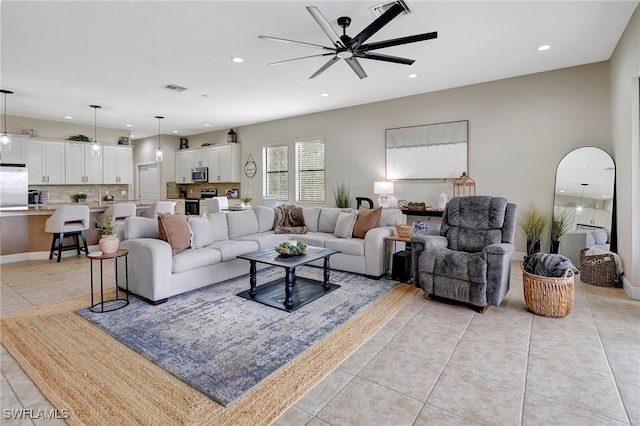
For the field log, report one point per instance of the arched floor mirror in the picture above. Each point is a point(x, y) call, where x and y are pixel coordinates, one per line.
point(584, 203)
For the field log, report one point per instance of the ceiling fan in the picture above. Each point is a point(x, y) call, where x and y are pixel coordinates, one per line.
point(350, 49)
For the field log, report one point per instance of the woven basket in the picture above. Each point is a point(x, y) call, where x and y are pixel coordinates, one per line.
point(404, 230)
point(599, 269)
point(549, 296)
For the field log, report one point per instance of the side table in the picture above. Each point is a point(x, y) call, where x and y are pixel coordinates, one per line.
point(113, 304)
point(394, 239)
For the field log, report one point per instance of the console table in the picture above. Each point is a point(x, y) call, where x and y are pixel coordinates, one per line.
point(430, 213)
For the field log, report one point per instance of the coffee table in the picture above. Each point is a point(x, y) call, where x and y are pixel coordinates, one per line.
point(298, 291)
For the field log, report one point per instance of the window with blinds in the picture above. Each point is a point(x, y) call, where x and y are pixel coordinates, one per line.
point(275, 182)
point(310, 173)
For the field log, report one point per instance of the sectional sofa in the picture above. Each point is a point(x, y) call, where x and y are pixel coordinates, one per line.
point(156, 274)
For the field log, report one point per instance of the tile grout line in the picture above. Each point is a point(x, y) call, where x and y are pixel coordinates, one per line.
point(526, 371)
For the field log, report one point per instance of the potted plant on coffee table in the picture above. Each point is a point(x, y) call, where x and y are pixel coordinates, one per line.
point(109, 241)
point(533, 224)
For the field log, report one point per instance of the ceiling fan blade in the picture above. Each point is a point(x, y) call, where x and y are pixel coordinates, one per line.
point(303, 57)
point(324, 67)
point(386, 58)
point(375, 26)
point(301, 43)
point(355, 66)
point(398, 41)
point(326, 26)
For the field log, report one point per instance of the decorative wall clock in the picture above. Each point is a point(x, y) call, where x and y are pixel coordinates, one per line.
point(250, 167)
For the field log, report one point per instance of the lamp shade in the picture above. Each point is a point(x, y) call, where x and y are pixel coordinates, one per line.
point(384, 187)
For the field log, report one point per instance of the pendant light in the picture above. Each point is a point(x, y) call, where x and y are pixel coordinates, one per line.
point(95, 147)
point(159, 148)
point(579, 208)
point(5, 141)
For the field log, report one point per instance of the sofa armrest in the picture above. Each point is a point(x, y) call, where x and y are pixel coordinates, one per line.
point(499, 249)
point(423, 242)
point(150, 267)
point(374, 250)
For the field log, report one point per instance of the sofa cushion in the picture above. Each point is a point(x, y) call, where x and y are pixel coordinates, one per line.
point(174, 229)
point(266, 240)
point(354, 246)
point(218, 225)
point(232, 248)
point(367, 219)
point(315, 239)
point(265, 217)
point(201, 234)
point(140, 227)
point(311, 218)
point(242, 223)
point(599, 236)
point(195, 258)
point(344, 224)
point(328, 219)
point(461, 265)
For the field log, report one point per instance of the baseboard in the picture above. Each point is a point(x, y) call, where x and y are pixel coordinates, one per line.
point(37, 255)
point(632, 292)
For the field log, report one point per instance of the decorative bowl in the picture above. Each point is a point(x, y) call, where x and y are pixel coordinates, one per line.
point(291, 248)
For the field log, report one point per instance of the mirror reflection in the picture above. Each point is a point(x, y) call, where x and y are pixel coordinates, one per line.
point(583, 202)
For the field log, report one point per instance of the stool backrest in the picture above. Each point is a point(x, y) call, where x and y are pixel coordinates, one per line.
point(78, 215)
point(217, 204)
point(159, 207)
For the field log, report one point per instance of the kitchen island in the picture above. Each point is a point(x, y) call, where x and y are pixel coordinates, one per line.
point(22, 235)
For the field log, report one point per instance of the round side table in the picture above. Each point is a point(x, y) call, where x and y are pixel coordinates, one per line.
point(113, 304)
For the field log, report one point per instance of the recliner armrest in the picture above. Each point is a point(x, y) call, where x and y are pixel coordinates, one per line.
point(502, 248)
point(423, 242)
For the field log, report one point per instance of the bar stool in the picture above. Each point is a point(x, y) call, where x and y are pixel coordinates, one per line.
point(68, 221)
point(159, 207)
point(119, 213)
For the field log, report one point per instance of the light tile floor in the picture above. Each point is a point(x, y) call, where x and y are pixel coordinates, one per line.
point(433, 363)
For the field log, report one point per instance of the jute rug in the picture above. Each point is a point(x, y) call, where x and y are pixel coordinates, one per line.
point(79, 367)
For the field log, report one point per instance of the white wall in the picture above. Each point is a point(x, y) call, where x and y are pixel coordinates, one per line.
point(62, 130)
point(625, 118)
point(519, 129)
point(144, 151)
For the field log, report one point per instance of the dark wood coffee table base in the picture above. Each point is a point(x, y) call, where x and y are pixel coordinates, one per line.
point(304, 291)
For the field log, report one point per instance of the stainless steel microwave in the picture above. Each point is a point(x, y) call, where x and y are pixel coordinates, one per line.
point(200, 174)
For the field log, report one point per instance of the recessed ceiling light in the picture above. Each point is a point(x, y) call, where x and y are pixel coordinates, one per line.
point(414, 75)
point(205, 95)
point(68, 117)
point(128, 125)
point(175, 131)
point(544, 47)
point(603, 196)
point(237, 60)
point(562, 190)
point(324, 95)
point(132, 136)
point(207, 125)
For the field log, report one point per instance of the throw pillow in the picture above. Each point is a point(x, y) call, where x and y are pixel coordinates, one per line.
point(600, 236)
point(344, 224)
point(420, 227)
point(174, 229)
point(201, 233)
point(288, 219)
point(367, 219)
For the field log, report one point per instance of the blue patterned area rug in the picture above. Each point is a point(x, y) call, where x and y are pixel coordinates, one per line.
point(222, 344)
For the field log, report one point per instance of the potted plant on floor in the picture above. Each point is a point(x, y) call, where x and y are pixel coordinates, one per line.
point(533, 224)
point(560, 225)
point(109, 241)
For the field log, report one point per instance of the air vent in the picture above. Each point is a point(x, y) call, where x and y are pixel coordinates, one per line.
point(382, 8)
point(174, 87)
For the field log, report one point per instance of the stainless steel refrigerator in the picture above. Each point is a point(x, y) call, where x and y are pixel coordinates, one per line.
point(14, 187)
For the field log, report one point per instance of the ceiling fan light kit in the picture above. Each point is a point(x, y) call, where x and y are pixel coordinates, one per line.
point(353, 48)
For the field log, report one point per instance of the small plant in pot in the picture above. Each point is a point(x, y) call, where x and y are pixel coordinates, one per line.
point(247, 201)
point(80, 197)
point(560, 225)
point(109, 241)
point(533, 224)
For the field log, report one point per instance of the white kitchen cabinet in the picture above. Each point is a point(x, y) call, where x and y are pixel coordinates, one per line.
point(117, 164)
point(180, 207)
point(200, 158)
point(80, 165)
point(184, 163)
point(16, 155)
point(45, 161)
point(224, 163)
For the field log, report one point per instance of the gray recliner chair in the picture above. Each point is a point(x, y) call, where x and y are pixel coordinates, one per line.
point(470, 261)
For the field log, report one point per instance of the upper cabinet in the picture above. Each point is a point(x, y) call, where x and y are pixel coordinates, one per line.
point(117, 164)
point(184, 163)
point(81, 166)
point(200, 158)
point(45, 162)
point(224, 163)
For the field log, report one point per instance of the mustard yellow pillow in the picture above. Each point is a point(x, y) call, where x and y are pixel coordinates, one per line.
point(174, 229)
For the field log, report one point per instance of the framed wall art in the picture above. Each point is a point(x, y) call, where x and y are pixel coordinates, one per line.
point(433, 151)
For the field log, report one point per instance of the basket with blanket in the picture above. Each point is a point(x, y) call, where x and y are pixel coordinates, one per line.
point(548, 285)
